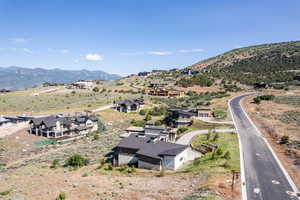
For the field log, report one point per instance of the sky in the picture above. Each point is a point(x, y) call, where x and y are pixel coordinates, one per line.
point(129, 36)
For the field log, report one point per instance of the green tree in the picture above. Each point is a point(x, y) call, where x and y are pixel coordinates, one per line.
point(227, 155)
point(148, 117)
point(61, 196)
point(96, 89)
point(55, 163)
point(284, 139)
point(77, 161)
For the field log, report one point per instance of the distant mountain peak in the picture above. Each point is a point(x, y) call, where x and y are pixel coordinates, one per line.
point(18, 78)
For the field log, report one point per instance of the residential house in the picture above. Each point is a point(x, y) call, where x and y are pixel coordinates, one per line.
point(129, 105)
point(4, 91)
point(63, 127)
point(189, 72)
point(181, 117)
point(204, 112)
point(148, 152)
point(165, 92)
point(143, 73)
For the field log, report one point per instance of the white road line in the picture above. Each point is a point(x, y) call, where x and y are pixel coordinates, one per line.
point(291, 182)
point(243, 178)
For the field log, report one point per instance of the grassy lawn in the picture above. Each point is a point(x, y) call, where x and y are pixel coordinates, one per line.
point(198, 124)
point(228, 142)
point(62, 101)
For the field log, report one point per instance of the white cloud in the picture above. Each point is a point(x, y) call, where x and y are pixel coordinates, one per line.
point(65, 51)
point(94, 57)
point(20, 40)
point(131, 53)
point(26, 50)
point(190, 50)
point(76, 61)
point(160, 53)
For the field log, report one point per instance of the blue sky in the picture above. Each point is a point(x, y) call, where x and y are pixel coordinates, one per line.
point(128, 36)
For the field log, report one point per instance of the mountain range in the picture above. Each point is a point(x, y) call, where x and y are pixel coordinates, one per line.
point(19, 78)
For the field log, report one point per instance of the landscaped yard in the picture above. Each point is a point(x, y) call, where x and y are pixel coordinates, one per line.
point(201, 125)
point(220, 162)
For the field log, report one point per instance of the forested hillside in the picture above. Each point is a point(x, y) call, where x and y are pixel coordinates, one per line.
point(270, 63)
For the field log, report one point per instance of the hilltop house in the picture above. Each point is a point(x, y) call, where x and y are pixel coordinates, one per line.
point(129, 105)
point(184, 116)
point(149, 152)
point(57, 127)
point(162, 133)
point(165, 92)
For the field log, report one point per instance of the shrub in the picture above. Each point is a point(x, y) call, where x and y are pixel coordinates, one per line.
point(256, 100)
point(77, 161)
point(148, 117)
point(182, 130)
point(95, 89)
point(143, 112)
point(73, 92)
point(219, 114)
point(140, 123)
point(284, 139)
point(227, 155)
point(216, 137)
point(219, 151)
point(158, 123)
point(55, 163)
point(4, 193)
point(61, 196)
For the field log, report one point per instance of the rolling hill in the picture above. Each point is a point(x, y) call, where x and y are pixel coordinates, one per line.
point(18, 78)
point(266, 57)
point(270, 63)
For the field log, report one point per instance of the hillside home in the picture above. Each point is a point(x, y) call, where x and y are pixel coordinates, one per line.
point(165, 92)
point(128, 105)
point(181, 117)
point(4, 91)
point(189, 72)
point(57, 127)
point(150, 153)
point(143, 73)
point(204, 112)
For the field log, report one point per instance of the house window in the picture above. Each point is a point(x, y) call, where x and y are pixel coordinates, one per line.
point(181, 159)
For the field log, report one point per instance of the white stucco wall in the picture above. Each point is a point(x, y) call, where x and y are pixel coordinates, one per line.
point(124, 159)
point(174, 162)
point(181, 158)
point(147, 165)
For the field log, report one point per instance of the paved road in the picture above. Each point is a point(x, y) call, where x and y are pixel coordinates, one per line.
point(263, 175)
point(103, 108)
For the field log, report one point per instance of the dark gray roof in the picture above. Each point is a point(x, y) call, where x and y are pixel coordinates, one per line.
point(146, 147)
point(128, 102)
point(50, 121)
point(155, 127)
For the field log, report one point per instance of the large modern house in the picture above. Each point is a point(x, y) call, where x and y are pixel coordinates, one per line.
point(57, 127)
point(129, 105)
point(149, 152)
point(184, 117)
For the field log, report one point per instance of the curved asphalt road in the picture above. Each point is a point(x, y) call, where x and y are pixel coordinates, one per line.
point(264, 177)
